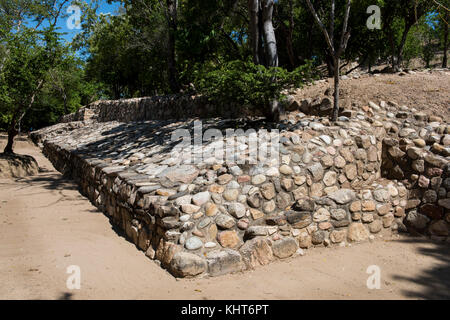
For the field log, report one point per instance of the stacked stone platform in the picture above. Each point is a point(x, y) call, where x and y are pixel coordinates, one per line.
point(376, 171)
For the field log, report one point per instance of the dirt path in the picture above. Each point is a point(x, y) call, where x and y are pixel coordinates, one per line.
point(46, 225)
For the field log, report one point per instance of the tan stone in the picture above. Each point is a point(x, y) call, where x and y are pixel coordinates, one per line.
point(268, 191)
point(286, 170)
point(351, 171)
point(325, 225)
point(375, 226)
point(165, 251)
point(347, 154)
point(399, 212)
point(300, 193)
point(256, 214)
point(211, 209)
point(256, 252)
point(229, 239)
point(384, 209)
point(316, 190)
point(339, 162)
point(327, 161)
point(329, 178)
point(355, 206)
point(231, 194)
point(338, 236)
point(299, 180)
point(224, 179)
point(388, 220)
point(216, 188)
point(304, 240)
point(357, 232)
point(368, 205)
point(269, 206)
point(210, 232)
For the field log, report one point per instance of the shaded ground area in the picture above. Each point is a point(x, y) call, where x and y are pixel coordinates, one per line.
point(16, 165)
point(425, 91)
point(46, 226)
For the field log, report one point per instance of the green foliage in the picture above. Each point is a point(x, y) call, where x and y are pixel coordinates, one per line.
point(126, 55)
point(41, 78)
point(244, 84)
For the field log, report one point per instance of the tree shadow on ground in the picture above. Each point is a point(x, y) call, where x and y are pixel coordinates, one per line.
point(434, 283)
point(50, 181)
point(150, 134)
point(65, 296)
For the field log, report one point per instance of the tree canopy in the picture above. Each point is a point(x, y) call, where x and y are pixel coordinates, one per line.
point(239, 51)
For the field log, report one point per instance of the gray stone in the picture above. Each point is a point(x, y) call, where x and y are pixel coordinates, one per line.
point(224, 221)
point(254, 231)
point(254, 200)
point(304, 205)
point(204, 223)
point(316, 171)
point(201, 198)
point(193, 243)
point(381, 195)
point(299, 220)
point(284, 247)
point(338, 214)
point(258, 179)
point(186, 264)
point(236, 171)
point(256, 252)
point(236, 209)
point(343, 196)
point(231, 194)
point(268, 191)
point(318, 237)
point(417, 220)
point(283, 200)
point(223, 261)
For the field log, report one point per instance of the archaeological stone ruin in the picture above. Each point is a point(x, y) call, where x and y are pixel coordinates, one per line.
point(379, 170)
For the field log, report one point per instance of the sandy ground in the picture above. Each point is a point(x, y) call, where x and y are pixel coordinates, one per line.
point(46, 226)
point(426, 92)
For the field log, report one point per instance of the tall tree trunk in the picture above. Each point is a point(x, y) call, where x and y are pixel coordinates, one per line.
point(271, 54)
point(171, 62)
point(270, 43)
point(401, 46)
point(335, 113)
point(330, 65)
point(393, 51)
point(444, 60)
point(335, 49)
point(263, 44)
point(253, 6)
point(289, 45)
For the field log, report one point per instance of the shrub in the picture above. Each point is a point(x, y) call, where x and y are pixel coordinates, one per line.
point(247, 85)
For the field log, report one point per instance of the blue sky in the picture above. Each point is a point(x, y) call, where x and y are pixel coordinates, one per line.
point(103, 8)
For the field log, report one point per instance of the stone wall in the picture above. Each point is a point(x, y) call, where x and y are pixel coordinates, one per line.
point(333, 184)
point(417, 157)
point(153, 108)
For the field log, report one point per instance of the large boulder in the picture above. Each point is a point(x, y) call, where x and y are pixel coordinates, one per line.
point(185, 264)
